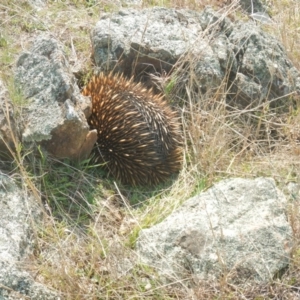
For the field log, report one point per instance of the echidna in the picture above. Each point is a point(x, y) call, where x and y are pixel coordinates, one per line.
point(139, 135)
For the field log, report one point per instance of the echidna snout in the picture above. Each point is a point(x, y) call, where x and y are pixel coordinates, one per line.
point(139, 135)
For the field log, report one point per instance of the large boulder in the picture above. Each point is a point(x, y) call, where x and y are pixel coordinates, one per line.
point(208, 46)
point(138, 42)
point(54, 110)
point(238, 229)
point(19, 212)
point(264, 71)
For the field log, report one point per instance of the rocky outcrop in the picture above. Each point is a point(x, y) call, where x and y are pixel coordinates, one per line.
point(55, 112)
point(238, 229)
point(213, 50)
point(18, 214)
point(180, 43)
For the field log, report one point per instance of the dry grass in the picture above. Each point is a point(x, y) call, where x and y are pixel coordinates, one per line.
point(286, 16)
point(86, 246)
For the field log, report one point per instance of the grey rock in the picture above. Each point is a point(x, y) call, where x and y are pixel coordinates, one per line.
point(214, 22)
point(253, 6)
point(56, 112)
point(292, 190)
point(263, 66)
point(17, 284)
point(148, 40)
point(237, 228)
point(18, 214)
point(8, 127)
point(210, 49)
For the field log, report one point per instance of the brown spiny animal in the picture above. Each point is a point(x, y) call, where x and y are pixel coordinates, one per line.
point(139, 135)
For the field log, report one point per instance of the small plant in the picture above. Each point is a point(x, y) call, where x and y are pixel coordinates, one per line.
point(3, 42)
